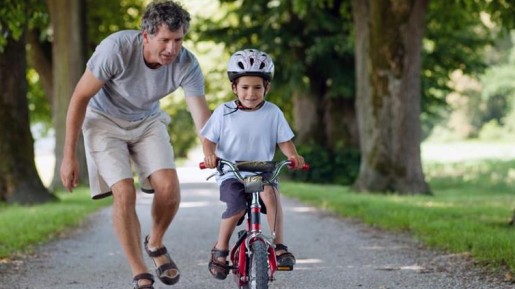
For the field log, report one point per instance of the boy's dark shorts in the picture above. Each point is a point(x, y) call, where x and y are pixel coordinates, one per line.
point(232, 193)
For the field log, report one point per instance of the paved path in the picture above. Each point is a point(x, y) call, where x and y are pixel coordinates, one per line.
point(331, 252)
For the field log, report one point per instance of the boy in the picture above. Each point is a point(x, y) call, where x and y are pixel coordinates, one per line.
point(232, 134)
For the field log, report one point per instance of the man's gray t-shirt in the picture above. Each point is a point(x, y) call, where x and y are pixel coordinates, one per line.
point(132, 90)
point(246, 135)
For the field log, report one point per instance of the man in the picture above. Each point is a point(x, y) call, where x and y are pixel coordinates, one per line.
point(116, 102)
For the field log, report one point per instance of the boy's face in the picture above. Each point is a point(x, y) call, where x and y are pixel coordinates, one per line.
point(163, 47)
point(250, 90)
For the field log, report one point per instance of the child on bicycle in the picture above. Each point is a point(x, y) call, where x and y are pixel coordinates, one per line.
point(247, 129)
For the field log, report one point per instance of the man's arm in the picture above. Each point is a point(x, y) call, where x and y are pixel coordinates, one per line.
point(86, 88)
point(199, 111)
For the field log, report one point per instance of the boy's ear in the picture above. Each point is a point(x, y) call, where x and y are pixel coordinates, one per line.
point(234, 90)
point(268, 87)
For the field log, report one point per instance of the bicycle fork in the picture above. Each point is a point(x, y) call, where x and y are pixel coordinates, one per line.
point(241, 249)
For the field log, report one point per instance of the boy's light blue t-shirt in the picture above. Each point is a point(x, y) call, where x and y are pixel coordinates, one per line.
point(132, 90)
point(246, 135)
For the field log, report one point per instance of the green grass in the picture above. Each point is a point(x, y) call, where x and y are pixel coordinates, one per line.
point(23, 227)
point(469, 211)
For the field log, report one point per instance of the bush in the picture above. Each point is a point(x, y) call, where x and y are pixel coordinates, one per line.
point(327, 167)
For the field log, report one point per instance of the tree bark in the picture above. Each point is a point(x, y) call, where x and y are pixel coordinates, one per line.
point(305, 113)
point(40, 56)
point(68, 54)
point(19, 179)
point(388, 62)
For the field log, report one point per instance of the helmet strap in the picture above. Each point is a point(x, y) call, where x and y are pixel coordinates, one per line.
point(239, 105)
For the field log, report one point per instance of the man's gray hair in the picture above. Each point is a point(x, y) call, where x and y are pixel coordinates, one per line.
point(168, 13)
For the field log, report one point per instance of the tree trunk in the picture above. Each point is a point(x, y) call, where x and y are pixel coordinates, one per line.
point(329, 122)
point(68, 63)
point(388, 63)
point(305, 113)
point(19, 179)
point(341, 128)
point(40, 55)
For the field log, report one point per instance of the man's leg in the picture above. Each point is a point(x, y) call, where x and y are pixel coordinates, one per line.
point(166, 202)
point(127, 225)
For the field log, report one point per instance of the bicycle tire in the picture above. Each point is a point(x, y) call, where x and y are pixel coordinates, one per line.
point(258, 266)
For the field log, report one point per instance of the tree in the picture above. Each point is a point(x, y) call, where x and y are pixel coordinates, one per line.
point(388, 64)
point(19, 180)
point(311, 44)
point(68, 62)
point(60, 58)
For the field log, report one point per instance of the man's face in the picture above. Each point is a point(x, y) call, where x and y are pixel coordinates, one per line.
point(163, 47)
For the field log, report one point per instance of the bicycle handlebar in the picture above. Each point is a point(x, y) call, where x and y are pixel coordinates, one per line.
point(277, 167)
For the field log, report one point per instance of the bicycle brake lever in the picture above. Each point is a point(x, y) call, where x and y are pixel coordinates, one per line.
point(212, 175)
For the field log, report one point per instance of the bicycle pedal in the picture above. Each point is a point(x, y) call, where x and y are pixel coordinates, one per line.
point(284, 268)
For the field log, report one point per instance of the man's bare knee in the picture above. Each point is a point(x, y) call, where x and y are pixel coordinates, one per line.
point(124, 193)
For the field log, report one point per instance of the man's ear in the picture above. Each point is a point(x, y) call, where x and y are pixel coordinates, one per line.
point(145, 36)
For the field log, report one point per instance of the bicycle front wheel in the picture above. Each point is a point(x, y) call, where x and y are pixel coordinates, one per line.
point(258, 266)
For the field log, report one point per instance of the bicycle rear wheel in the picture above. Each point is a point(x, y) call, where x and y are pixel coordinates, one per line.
point(258, 266)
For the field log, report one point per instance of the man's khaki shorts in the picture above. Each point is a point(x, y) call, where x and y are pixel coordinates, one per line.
point(114, 146)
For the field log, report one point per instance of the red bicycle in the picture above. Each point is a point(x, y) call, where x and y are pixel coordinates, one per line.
point(253, 256)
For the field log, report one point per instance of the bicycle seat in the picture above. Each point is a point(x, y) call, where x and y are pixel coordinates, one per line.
point(256, 166)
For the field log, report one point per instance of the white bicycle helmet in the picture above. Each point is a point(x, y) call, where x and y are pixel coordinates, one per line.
point(250, 62)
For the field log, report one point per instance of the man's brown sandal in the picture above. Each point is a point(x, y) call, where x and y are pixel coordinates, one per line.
point(143, 276)
point(286, 260)
point(161, 270)
point(218, 269)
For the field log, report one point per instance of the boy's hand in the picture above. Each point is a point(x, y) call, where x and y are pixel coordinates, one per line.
point(210, 161)
point(297, 160)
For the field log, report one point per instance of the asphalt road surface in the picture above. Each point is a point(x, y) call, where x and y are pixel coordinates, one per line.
point(331, 252)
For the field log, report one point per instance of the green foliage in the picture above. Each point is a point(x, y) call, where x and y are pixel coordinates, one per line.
point(16, 15)
point(40, 111)
point(181, 129)
point(106, 17)
point(312, 43)
point(468, 212)
point(339, 167)
point(455, 39)
point(305, 39)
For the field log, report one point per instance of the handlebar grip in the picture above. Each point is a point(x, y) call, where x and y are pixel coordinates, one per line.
point(305, 167)
point(202, 165)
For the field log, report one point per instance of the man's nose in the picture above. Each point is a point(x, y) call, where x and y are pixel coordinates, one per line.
point(172, 47)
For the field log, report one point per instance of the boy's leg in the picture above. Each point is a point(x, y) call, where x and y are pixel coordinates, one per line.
point(227, 226)
point(274, 212)
point(218, 265)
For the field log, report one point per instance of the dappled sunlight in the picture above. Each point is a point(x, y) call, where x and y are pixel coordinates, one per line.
point(432, 204)
point(304, 209)
point(381, 248)
point(463, 151)
point(309, 261)
point(195, 204)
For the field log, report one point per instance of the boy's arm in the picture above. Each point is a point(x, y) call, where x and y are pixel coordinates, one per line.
point(290, 151)
point(210, 158)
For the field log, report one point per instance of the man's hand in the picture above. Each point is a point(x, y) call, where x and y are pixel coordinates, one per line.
point(70, 173)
